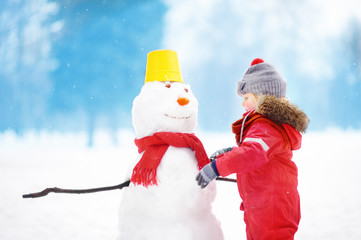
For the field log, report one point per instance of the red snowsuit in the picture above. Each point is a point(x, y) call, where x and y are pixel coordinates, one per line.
point(266, 177)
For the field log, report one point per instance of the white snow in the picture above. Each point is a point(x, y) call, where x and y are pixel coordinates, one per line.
point(329, 175)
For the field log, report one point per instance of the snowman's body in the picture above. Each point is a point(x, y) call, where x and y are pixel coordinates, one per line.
point(175, 208)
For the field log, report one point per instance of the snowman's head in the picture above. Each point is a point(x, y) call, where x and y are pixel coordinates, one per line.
point(164, 107)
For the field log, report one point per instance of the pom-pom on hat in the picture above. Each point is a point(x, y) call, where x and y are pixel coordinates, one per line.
point(262, 78)
point(163, 66)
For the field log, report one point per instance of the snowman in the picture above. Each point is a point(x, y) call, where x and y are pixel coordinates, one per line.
point(163, 200)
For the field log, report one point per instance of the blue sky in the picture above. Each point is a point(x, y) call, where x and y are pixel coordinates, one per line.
point(77, 65)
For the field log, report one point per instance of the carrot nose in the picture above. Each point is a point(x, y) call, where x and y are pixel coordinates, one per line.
point(183, 101)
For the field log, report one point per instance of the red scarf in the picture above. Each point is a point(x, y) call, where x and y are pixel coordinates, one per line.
point(252, 118)
point(155, 146)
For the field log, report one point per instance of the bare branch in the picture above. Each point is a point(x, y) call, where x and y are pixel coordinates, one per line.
point(226, 179)
point(75, 191)
point(92, 190)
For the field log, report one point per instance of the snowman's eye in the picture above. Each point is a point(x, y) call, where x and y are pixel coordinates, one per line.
point(168, 85)
point(186, 89)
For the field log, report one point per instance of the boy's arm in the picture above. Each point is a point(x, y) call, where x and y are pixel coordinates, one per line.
point(260, 142)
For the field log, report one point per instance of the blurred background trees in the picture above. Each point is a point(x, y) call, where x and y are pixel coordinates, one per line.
point(77, 65)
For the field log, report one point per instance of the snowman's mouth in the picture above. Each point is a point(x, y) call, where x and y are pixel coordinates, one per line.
point(177, 117)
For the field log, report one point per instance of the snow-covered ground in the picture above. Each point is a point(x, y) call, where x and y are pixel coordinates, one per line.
point(329, 184)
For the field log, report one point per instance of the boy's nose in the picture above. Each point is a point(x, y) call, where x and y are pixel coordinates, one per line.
point(183, 101)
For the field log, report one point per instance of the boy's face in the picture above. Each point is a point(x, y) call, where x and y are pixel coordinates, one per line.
point(249, 101)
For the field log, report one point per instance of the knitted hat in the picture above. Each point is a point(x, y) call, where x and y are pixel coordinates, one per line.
point(262, 78)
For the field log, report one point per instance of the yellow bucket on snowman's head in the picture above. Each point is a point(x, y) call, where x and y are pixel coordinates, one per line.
point(163, 66)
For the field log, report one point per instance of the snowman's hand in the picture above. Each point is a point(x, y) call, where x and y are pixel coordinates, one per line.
point(207, 174)
point(213, 157)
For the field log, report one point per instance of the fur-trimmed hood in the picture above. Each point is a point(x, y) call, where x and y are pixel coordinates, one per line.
point(281, 110)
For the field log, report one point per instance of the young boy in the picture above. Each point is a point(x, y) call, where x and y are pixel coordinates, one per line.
point(266, 136)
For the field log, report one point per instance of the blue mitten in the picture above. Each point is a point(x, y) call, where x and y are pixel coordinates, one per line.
point(213, 157)
point(207, 174)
